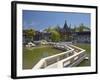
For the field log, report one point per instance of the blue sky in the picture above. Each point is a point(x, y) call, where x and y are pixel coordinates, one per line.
point(40, 20)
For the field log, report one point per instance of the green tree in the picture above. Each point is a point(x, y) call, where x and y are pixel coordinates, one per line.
point(57, 28)
point(81, 27)
point(48, 29)
point(30, 33)
point(55, 36)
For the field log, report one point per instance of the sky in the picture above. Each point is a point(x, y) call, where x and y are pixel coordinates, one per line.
point(40, 20)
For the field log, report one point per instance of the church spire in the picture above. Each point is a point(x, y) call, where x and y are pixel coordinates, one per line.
point(65, 25)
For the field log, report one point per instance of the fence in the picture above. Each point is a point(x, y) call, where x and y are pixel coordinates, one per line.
point(63, 59)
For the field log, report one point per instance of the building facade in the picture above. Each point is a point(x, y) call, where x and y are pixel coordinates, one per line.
point(82, 37)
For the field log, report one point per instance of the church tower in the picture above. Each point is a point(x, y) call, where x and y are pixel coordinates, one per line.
point(66, 28)
point(66, 31)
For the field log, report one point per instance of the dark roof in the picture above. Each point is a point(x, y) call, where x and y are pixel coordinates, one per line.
point(65, 26)
point(83, 33)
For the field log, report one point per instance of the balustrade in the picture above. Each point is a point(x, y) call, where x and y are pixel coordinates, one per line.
point(62, 59)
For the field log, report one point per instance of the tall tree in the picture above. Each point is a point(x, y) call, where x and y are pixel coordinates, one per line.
point(55, 36)
point(81, 27)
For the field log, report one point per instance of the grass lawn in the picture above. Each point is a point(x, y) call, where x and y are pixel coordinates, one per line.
point(87, 47)
point(33, 55)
